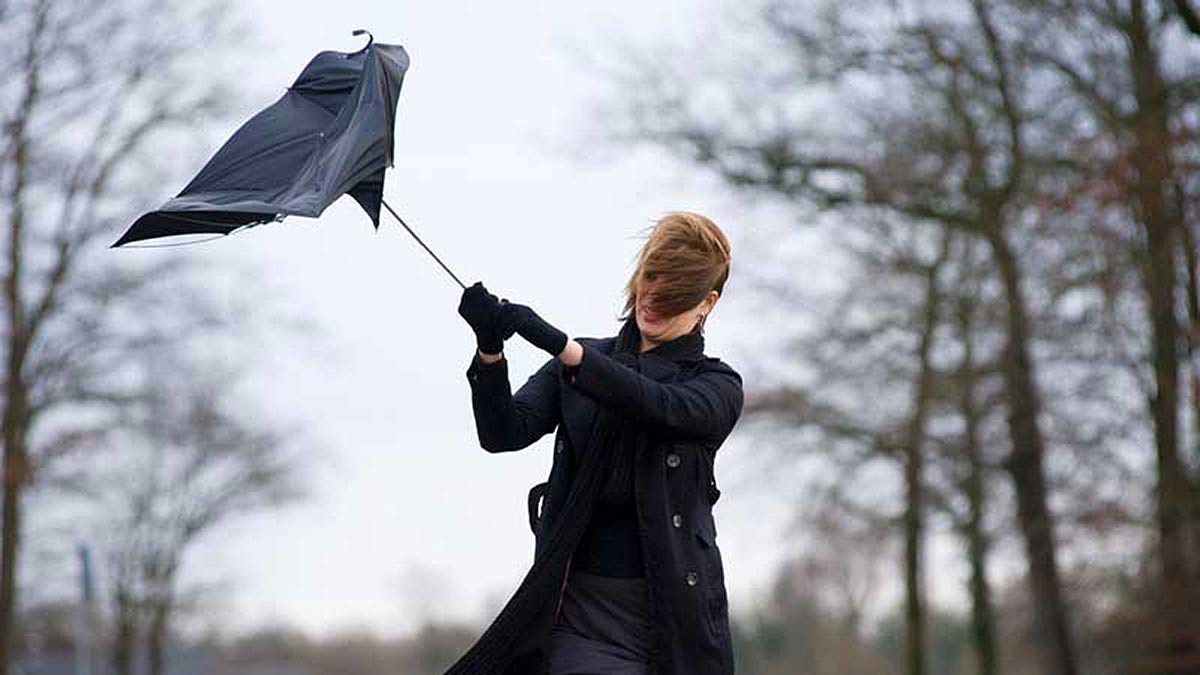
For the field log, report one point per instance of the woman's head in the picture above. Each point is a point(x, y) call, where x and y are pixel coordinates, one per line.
point(680, 273)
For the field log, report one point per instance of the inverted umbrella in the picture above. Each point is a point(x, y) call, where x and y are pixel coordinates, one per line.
point(330, 134)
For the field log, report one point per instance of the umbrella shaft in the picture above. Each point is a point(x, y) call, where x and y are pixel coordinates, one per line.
point(414, 235)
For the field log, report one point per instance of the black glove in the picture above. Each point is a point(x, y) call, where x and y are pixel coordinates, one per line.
point(481, 309)
point(535, 330)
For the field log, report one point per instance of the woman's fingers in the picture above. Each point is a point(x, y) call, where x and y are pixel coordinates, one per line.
point(479, 307)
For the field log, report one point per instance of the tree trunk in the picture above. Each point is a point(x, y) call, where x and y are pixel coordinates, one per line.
point(982, 620)
point(161, 579)
point(8, 554)
point(125, 632)
point(914, 603)
point(914, 476)
point(1026, 466)
point(156, 636)
point(1153, 192)
point(14, 478)
point(16, 473)
point(15, 415)
point(1188, 244)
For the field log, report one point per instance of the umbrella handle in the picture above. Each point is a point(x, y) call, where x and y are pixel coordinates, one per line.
point(370, 38)
point(414, 235)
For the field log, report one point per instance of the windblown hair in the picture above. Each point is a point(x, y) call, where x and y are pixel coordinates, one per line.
point(691, 256)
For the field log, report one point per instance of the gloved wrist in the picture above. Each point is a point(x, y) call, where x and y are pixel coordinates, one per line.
point(541, 334)
point(489, 342)
point(489, 358)
point(481, 310)
point(536, 330)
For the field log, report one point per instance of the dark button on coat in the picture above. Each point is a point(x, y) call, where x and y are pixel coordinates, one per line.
point(684, 405)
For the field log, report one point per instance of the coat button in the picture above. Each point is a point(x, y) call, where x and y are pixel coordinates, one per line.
point(672, 460)
point(691, 578)
point(558, 446)
point(677, 520)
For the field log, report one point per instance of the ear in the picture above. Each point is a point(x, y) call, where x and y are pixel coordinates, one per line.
point(710, 301)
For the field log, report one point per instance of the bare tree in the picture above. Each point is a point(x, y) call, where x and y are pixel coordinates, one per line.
point(190, 462)
point(881, 334)
point(1137, 108)
point(88, 90)
point(944, 142)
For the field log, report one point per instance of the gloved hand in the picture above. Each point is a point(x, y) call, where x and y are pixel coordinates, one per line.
point(522, 319)
point(481, 310)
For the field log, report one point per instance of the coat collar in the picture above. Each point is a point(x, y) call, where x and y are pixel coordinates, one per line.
point(687, 347)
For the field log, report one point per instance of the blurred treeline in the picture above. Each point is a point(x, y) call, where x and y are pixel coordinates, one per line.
point(795, 630)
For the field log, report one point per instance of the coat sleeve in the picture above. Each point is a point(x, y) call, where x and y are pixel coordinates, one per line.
point(707, 406)
point(505, 421)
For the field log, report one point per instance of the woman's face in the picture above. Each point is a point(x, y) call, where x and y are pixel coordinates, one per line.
point(657, 328)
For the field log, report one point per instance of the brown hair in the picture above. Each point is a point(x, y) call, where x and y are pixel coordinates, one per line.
point(690, 254)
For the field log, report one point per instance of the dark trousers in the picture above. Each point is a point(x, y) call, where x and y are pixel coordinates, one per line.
point(604, 627)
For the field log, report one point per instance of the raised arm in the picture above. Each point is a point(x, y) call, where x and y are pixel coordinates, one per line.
point(706, 406)
point(505, 421)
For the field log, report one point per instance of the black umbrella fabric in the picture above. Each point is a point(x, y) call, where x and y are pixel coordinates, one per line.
point(329, 135)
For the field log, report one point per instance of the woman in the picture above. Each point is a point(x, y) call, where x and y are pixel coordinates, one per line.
point(627, 577)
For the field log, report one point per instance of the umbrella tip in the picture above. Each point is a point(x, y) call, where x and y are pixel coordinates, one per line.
point(362, 31)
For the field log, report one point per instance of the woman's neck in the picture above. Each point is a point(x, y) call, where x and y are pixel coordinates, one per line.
point(647, 345)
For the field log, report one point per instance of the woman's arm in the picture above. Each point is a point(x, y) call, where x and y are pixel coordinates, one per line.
point(707, 405)
point(504, 421)
point(572, 354)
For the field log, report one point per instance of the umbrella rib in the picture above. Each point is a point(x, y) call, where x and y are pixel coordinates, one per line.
point(414, 234)
point(176, 243)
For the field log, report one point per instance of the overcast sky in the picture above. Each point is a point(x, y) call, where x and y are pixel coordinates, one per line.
point(408, 517)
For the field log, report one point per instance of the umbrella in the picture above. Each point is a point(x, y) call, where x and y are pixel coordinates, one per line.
point(329, 135)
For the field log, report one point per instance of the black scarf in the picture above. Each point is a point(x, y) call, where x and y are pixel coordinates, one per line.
point(613, 431)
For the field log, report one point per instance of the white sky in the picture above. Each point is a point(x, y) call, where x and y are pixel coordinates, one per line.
point(408, 516)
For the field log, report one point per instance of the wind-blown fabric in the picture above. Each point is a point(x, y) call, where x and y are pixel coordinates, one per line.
point(330, 134)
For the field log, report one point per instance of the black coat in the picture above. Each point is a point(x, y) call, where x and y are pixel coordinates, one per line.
point(684, 405)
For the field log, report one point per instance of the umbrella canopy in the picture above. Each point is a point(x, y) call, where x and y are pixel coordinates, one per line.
point(329, 135)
